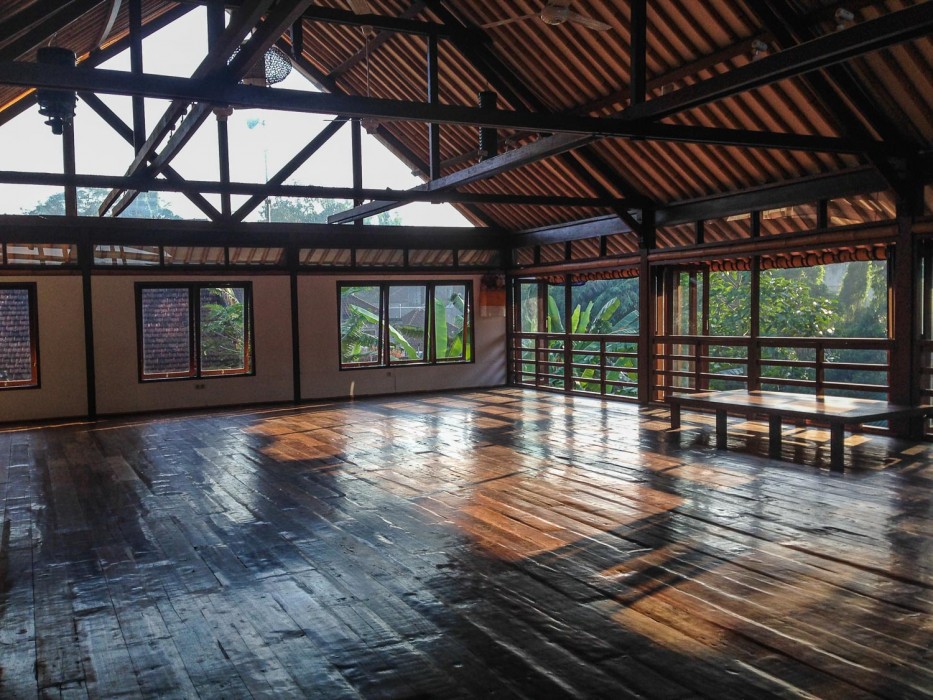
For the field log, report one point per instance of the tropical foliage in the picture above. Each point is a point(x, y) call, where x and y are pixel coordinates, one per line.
point(223, 329)
point(361, 320)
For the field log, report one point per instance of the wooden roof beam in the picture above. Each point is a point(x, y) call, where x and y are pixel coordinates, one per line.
point(126, 132)
point(260, 191)
point(179, 232)
point(789, 30)
point(809, 189)
point(241, 24)
point(585, 128)
point(888, 30)
point(56, 17)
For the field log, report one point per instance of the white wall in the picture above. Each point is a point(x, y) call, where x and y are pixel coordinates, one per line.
point(318, 333)
point(118, 387)
point(62, 376)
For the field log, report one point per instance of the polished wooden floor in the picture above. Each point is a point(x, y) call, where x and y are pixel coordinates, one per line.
point(486, 544)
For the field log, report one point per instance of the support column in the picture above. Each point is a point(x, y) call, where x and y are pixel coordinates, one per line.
point(434, 130)
point(69, 168)
point(136, 68)
point(904, 323)
point(356, 148)
point(291, 261)
point(646, 309)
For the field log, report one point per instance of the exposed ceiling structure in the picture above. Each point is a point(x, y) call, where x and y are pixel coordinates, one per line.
point(604, 110)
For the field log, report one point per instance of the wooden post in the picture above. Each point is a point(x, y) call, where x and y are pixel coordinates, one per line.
point(434, 130)
point(905, 285)
point(136, 68)
point(646, 308)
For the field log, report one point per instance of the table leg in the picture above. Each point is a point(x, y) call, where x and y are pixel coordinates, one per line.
point(837, 447)
point(675, 416)
point(774, 436)
point(721, 429)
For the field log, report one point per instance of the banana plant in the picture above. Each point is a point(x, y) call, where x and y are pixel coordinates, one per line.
point(355, 337)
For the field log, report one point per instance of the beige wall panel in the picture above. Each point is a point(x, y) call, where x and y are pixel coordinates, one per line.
point(118, 387)
point(320, 364)
point(62, 376)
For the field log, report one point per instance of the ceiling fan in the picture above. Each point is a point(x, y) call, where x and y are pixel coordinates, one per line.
point(554, 13)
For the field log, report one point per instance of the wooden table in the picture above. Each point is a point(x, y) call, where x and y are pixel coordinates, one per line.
point(835, 411)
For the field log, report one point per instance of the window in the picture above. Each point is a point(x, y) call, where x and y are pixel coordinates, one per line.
point(194, 330)
point(19, 346)
point(405, 323)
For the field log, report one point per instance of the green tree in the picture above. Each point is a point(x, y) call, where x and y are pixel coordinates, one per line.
point(147, 205)
point(312, 210)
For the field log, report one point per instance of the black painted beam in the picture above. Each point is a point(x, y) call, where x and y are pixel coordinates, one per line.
point(866, 37)
point(291, 166)
point(260, 191)
point(216, 60)
point(588, 128)
point(790, 29)
point(810, 189)
point(570, 231)
point(638, 64)
point(41, 229)
point(124, 131)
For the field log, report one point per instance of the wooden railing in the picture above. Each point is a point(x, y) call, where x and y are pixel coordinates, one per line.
point(853, 366)
point(926, 379)
point(594, 364)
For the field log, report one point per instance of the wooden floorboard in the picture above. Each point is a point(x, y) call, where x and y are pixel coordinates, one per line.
point(501, 543)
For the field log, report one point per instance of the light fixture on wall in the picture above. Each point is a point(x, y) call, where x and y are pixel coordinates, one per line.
point(57, 105)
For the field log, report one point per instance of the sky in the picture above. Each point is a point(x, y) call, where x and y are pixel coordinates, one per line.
point(261, 141)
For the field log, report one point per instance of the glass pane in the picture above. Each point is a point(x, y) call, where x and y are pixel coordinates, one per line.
point(687, 301)
point(450, 314)
point(256, 256)
point(41, 254)
point(360, 309)
point(553, 253)
point(605, 306)
point(730, 303)
point(800, 217)
point(16, 341)
point(468, 258)
point(326, 257)
point(380, 257)
point(556, 308)
point(224, 346)
point(860, 209)
point(407, 322)
point(165, 332)
point(528, 307)
point(126, 255)
point(194, 255)
point(431, 258)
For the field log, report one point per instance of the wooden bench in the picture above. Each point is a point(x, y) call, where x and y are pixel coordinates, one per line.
point(835, 411)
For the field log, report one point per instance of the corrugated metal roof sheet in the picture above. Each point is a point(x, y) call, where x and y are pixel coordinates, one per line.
point(576, 70)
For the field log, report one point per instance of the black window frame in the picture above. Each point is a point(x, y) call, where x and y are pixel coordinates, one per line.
point(430, 355)
point(34, 382)
point(195, 370)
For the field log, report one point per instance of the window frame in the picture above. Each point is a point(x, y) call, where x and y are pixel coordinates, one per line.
point(430, 342)
point(195, 370)
point(34, 382)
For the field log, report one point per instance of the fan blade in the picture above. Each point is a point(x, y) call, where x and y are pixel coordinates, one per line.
point(508, 21)
point(587, 22)
point(360, 7)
